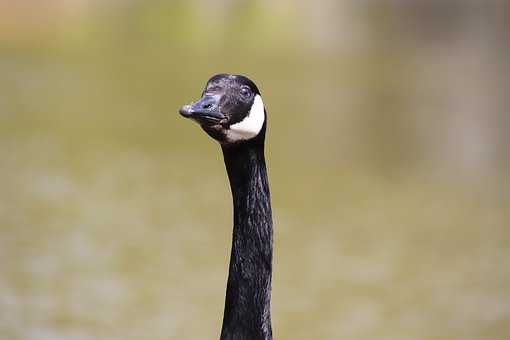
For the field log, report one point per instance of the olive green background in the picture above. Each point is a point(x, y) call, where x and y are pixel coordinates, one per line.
point(387, 150)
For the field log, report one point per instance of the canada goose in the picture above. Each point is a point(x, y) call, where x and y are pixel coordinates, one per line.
point(232, 112)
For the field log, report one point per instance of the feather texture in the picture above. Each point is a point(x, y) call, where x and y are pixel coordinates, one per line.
point(247, 303)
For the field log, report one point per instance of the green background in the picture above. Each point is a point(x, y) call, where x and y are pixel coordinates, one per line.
point(387, 150)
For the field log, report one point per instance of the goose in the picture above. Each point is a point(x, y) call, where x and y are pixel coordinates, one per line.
point(231, 111)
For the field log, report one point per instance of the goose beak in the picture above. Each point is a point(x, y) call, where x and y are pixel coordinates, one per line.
point(206, 111)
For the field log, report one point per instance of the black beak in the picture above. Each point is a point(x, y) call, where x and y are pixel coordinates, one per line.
point(205, 111)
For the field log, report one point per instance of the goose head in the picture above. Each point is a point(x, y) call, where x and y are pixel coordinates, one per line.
point(230, 111)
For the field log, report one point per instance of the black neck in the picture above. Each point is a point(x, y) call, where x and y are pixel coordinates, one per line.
point(247, 305)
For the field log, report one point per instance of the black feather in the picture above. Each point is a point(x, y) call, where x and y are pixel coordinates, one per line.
point(247, 305)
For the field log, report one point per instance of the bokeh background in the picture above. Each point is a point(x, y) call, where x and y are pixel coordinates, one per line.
point(388, 153)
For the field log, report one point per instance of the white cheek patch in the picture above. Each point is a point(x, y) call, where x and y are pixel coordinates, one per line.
point(251, 125)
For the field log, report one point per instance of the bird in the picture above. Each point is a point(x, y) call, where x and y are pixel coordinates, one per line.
point(232, 112)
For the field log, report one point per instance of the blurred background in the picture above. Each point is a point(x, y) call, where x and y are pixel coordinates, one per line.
point(388, 153)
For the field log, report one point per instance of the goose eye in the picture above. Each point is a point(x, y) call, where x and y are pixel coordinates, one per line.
point(245, 92)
